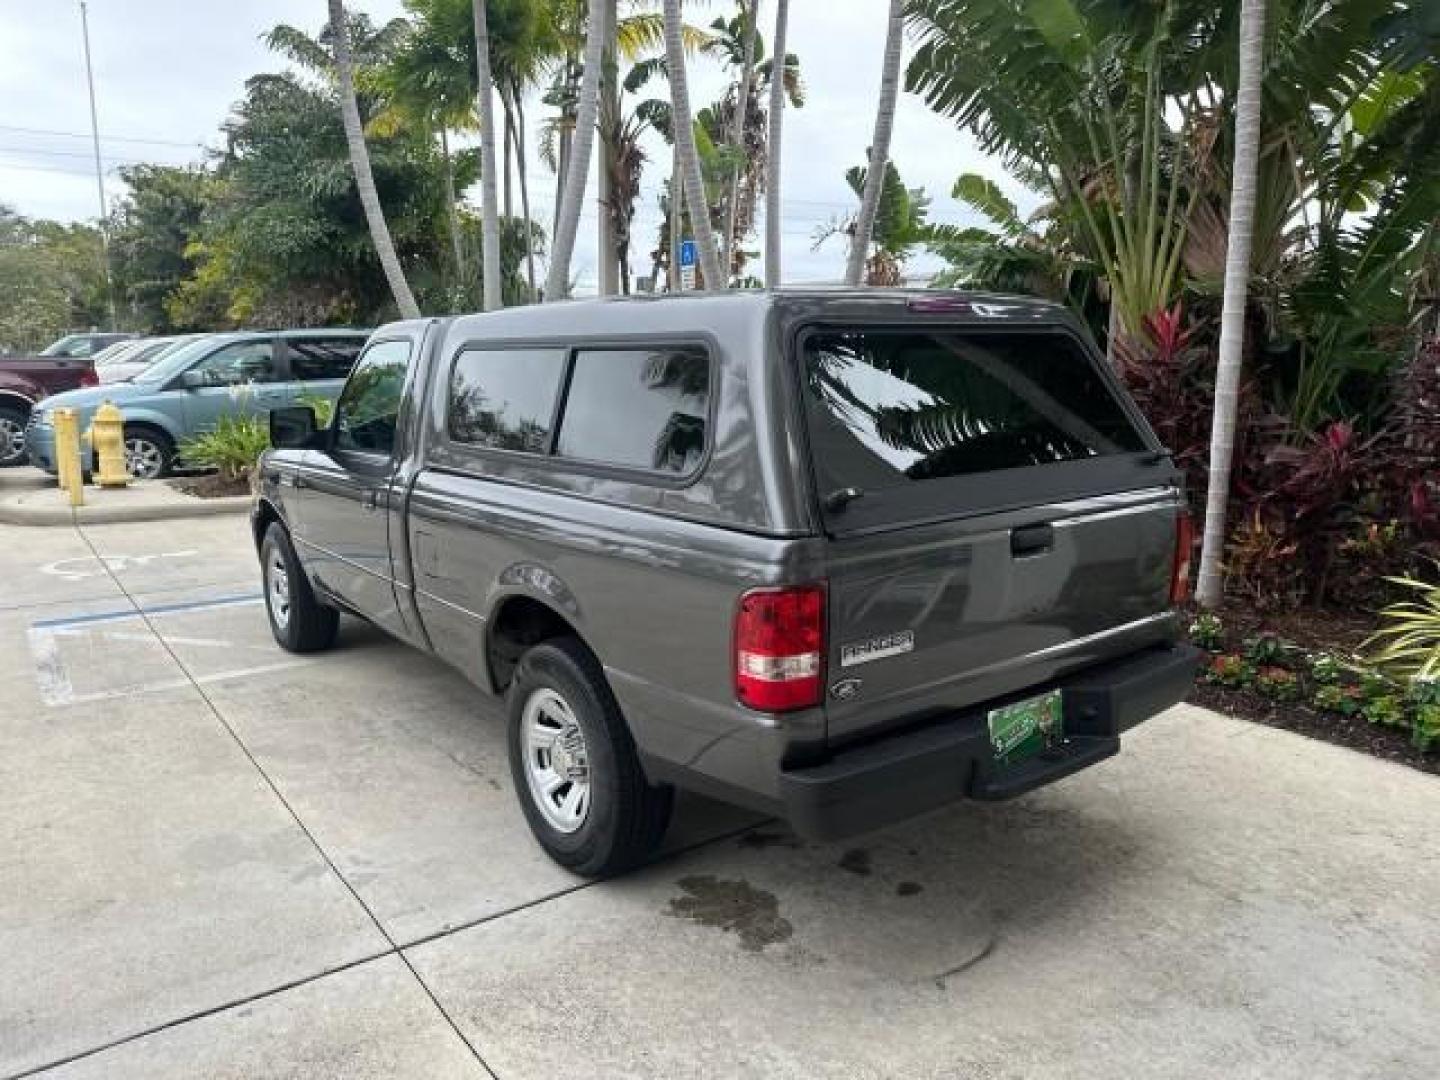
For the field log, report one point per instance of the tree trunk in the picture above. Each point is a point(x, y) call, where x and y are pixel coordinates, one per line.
point(737, 133)
point(519, 97)
point(509, 201)
point(879, 145)
point(489, 209)
point(577, 175)
point(677, 212)
point(1211, 585)
point(685, 149)
point(608, 261)
point(772, 155)
point(364, 178)
point(452, 211)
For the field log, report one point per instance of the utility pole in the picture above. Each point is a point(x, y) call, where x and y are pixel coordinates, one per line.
point(99, 171)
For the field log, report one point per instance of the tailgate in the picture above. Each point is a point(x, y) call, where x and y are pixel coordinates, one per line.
point(976, 609)
point(997, 514)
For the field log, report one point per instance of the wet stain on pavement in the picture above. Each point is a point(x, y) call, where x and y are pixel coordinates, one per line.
point(908, 888)
point(734, 907)
point(857, 861)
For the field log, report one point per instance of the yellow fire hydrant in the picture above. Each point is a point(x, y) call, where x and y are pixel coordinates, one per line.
point(67, 455)
point(107, 436)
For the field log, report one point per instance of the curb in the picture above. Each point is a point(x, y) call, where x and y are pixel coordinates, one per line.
point(12, 514)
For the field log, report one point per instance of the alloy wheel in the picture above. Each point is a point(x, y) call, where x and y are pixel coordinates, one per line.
point(557, 764)
point(144, 458)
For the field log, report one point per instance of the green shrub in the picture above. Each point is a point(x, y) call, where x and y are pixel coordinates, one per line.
point(1277, 683)
point(1325, 669)
point(1387, 710)
point(1344, 700)
point(1230, 670)
point(233, 446)
point(1264, 649)
point(1424, 701)
point(1207, 632)
point(1408, 641)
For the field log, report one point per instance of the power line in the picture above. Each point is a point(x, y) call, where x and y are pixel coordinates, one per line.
point(107, 138)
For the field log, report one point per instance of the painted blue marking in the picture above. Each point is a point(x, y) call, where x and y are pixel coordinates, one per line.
point(689, 253)
point(158, 609)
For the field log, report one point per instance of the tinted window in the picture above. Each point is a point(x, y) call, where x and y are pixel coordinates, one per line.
point(322, 358)
point(369, 406)
point(891, 408)
point(242, 362)
point(505, 399)
point(644, 409)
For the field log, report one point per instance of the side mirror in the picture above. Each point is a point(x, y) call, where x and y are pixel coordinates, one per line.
point(292, 428)
point(194, 380)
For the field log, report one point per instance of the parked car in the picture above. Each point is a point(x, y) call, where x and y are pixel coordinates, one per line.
point(189, 391)
point(838, 557)
point(80, 346)
point(25, 379)
point(124, 365)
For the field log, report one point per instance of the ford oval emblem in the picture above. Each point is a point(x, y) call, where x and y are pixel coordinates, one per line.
point(845, 689)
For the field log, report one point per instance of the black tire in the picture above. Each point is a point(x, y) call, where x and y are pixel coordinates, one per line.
point(148, 444)
point(301, 624)
point(625, 817)
point(12, 436)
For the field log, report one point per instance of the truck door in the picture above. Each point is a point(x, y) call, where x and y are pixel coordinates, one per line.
point(346, 489)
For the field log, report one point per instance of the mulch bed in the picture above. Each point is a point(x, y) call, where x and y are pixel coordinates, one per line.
point(1338, 632)
point(211, 486)
point(1354, 732)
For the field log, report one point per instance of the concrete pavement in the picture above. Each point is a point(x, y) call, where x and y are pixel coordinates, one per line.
point(29, 496)
point(217, 859)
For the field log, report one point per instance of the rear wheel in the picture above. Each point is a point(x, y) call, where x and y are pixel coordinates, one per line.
point(149, 454)
point(575, 767)
point(12, 436)
point(298, 620)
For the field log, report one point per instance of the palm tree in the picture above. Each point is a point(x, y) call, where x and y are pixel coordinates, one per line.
point(426, 84)
point(687, 157)
point(772, 157)
point(751, 22)
point(360, 162)
point(489, 200)
point(1211, 585)
point(608, 268)
point(577, 173)
point(879, 145)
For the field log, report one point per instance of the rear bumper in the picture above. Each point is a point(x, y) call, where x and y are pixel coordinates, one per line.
point(907, 774)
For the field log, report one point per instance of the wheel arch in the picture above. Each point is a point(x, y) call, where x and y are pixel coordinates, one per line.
point(519, 621)
point(9, 396)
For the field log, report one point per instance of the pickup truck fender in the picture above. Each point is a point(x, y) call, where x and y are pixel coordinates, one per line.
point(524, 594)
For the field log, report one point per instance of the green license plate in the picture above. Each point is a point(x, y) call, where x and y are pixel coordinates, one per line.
point(1022, 730)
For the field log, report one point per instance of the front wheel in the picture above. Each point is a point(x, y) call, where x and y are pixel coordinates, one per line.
point(299, 622)
point(149, 454)
point(12, 436)
point(574, 763)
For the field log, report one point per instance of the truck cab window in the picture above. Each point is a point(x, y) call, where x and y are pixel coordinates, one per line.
point(504, 399)
point(369, 406)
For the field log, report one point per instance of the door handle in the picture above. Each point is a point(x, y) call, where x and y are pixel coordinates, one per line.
point(1032, 540)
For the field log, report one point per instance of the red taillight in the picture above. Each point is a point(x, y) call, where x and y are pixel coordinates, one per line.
point(780, 648)
point(1184, 549)
point(89, 378)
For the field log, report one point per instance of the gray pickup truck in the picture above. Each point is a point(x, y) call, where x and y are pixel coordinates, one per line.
point(840, 557)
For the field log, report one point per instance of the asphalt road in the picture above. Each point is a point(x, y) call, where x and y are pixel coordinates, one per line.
point(219, 860)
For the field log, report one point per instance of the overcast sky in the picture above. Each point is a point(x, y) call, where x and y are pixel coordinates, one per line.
point(168, 71)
